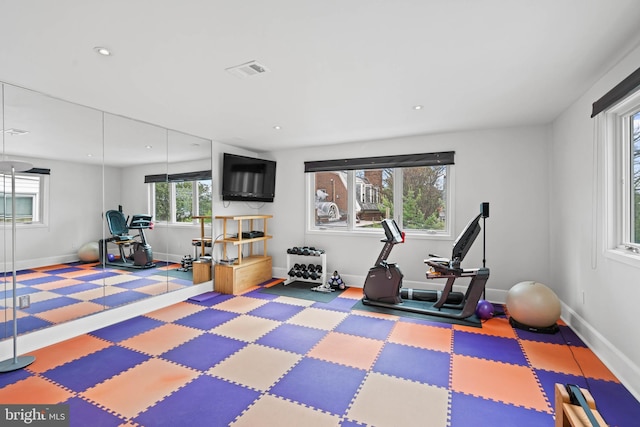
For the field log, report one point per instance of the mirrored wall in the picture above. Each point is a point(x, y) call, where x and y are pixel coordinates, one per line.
point(107, 216)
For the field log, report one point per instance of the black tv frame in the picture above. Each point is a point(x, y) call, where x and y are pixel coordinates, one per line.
point(267, 192)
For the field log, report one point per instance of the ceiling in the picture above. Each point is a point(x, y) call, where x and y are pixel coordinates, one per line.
point(338, 71)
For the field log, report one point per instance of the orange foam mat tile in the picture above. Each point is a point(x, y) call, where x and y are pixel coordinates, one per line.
point(502, 382)
point(133, 391)
point(69, 312)
point(34, 391)
point(27, 276)
point(591, 365)
point(349, 350)
point(159, 288)
point(352, 293)
point(551, 357)
point(422, 336)
point(58, 354)
point(48, 286)
point(161, 339)
point(169, 267)
point(175, 312)
point(7, 314)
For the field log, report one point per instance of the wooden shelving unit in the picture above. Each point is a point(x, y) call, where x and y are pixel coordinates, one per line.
point(203, 241)
point(244, 272)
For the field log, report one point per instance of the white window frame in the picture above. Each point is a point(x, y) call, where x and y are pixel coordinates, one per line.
point(40, 200)
point(312, 228)
point(616, 134)
point(173, 211)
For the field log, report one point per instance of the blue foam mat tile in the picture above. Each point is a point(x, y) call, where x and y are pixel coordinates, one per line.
point(204, 297)
point(121, 298)
point(80, 411)
point(418, 364)
point(80, 374)
point(185, 408)
point(293, 338)
point(472, 411)
point(322, 385)
point(50, 304)
point(204, 352)
point(81, 287)
point(126, 329)
point(368, 327)
point(500, 349)
point(276, 311)
point(206, 319)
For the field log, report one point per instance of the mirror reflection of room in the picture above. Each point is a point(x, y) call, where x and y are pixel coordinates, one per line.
point(114, 214)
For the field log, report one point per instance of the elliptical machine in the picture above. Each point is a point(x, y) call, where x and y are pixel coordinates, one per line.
point(383, 285)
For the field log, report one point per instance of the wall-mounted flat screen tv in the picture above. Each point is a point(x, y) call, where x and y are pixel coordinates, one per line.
point(248, 179)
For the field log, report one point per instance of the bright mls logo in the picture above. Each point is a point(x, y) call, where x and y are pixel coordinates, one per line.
point(34, 415)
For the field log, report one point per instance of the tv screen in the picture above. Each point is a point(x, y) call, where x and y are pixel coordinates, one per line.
point(248, 179)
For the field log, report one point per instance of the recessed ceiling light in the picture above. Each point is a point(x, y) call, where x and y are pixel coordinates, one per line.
point(417, 107)
point(276, 127)
point(102, 51)
point(148, 147)
point(89, 155)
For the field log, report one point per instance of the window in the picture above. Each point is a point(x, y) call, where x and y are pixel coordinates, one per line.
point(358, 199)
point(179, 202)
point(621, 127)
point(635, 178)
point(617, 115)
point(29, 191)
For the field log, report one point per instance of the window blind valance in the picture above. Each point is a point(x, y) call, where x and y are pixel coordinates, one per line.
point(39, 171)
point(621, 90)
point(178, 177)
point(400, 161)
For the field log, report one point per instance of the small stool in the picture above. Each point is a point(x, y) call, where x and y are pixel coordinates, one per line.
point(201, 272)
point(568, 414)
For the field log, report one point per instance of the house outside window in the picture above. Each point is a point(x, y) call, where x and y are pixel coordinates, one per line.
point(416, 197)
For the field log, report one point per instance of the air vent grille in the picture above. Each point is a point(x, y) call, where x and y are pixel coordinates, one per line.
point(248, 69)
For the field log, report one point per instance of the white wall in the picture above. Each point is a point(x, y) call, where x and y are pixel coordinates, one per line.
point(505, 167)
point(74, 214)
point(601, 295)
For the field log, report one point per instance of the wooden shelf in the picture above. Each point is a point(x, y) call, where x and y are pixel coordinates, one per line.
point(236, 278)
point(203, 240)
point(247, 271)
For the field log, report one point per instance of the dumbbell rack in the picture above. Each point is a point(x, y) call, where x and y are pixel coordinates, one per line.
point(323, 262)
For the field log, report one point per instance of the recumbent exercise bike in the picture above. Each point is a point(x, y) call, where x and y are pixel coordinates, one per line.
point(140, 252)
point(383, 285)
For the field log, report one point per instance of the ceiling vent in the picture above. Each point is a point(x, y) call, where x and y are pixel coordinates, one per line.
point(248, 69)
point(16, 132)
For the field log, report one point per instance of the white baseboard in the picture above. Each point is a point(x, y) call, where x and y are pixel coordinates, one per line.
point(626, 370)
